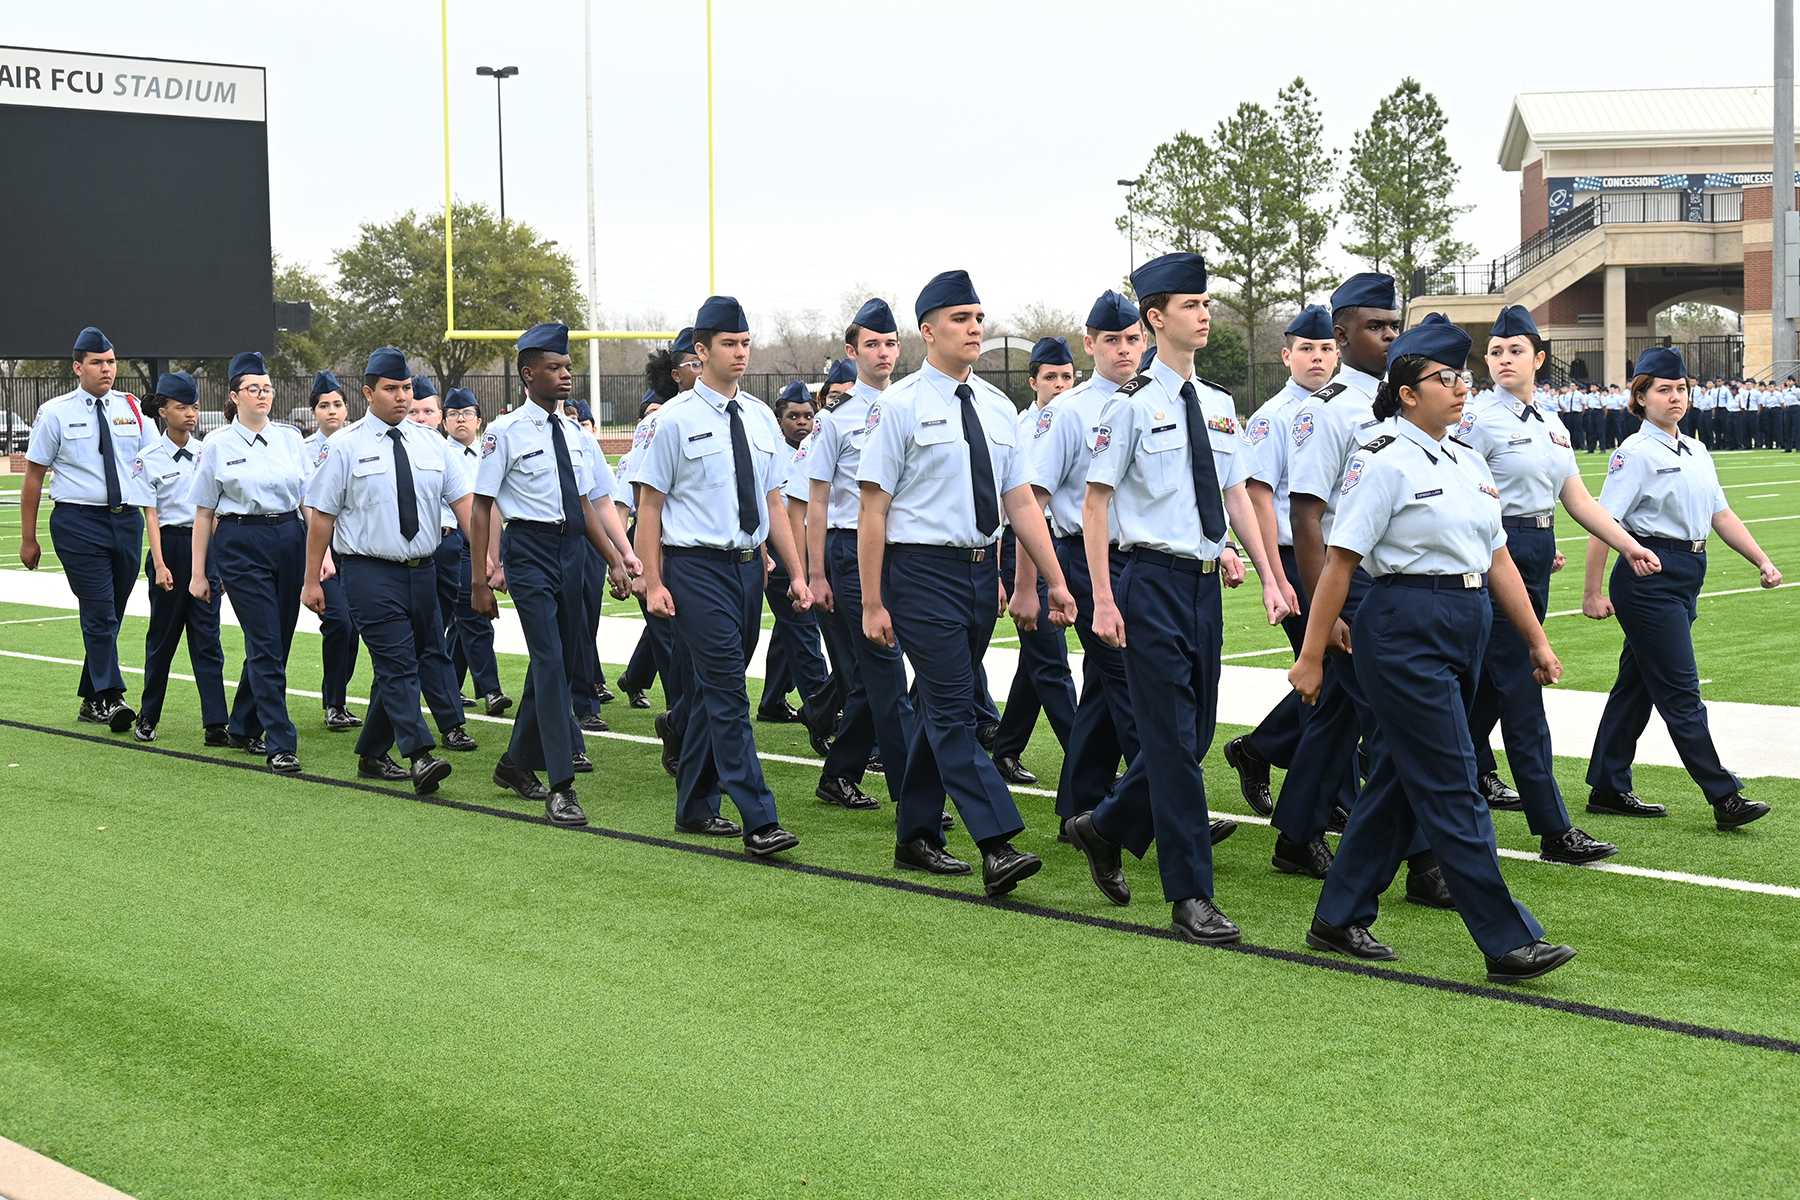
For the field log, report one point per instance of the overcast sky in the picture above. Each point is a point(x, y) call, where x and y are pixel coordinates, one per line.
point(861, 145)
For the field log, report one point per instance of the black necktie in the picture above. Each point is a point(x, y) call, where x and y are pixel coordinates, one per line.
point(565, 476)
point(183, 452)
point(981, 464)
point(1206, 477)
point(109, 462)
point(403, 488)
point(740, 460)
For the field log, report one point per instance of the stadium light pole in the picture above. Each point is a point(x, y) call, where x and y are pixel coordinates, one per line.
point(593, 298)
point(499, 74)
point(1130, 225)
point(712, 236)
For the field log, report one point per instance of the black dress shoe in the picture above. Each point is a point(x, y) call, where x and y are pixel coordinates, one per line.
point(495, 702)
point(834, 789)
point(604, 694)
point(215, 736)
point(458, 739)
point(671, 740)
point(1198, 920)
point(338, 718)
point(143, 731)
point(784, 715)
point(1340, 817)
point(1528, 962)
point(89, 712)
point(711, 827)
point(1312, 859)
point(564, 809)
point(1353, 940)
point(284, 762)
point(382, 767)
point(1013, 771)
point(1499, 795)
point(1622, 804)
point(1574, 846)
point(1062, 832)
point(468, 702)
point(638, 699)
point(821, 741)
point(875, 766)
point(118, 714)
point(770, 839)
point(1426, 886)
point(249, 745)
point(921, 855)
point(427, 772)
point(1003, 868)
point(517, 780)
point(1253, 774)
point(1734, 810)
point(948, 820)
point(1105, 863)
point(583, 764)
point(987, 735)
point(1222, 828)
point(594, 723)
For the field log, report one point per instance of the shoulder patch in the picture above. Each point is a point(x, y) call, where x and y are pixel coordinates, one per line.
point(1617, 463)
point(1329, 392)
point(1379, 444)
point(1467, 423)
point(137, 468)
point(324, 453)
point(1258, 429)
point(1353, 474)
point(489, 444)
point(873, 419)
point(1045, 417)
point(1303, 427)
point(1133, 386)
point(1102, 438)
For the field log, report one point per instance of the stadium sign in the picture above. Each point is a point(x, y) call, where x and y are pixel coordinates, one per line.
point(108, 83)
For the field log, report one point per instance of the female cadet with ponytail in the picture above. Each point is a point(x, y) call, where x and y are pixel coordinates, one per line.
point(1662, 487)
point(1420, 511)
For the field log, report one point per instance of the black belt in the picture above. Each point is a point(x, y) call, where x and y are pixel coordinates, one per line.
point(971, 554)
point(259, 518)
point(710, 553)
point(1176, 562)
point(555, 527)
point(1663, 543)
point(1436, 583)
point(1537, 521)
point(103, 509)
point(177, 530)
point(1076, 539)
point(425, 561)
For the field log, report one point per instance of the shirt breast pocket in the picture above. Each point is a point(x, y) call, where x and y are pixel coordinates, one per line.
point(76, 430)
point(706, 457)
point(532, 462)
point(1164, 462)
point(936, 444)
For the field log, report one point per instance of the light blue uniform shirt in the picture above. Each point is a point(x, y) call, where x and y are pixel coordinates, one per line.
point(1269, 432)
point(1614, 401)
point(916, 454)
point(1733, 399)
point(605, 481)
point(66, 439)
point(1703, 399)
point(1662, 486)
point(251, 474)
point(1142, 452)
point(169, 478)
point(1413, 505)
point(356, 483)
point(622, 493)
point(798, 485)
point(1062, 443)
point(1529, 459)
point(837, 451)
point(690, 461)
point(466, 461)
point(1328, 428)
point(518, 464)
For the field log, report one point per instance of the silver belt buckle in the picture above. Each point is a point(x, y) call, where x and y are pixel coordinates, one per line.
point(1472, 579)
point(1209, 566)
point(979, 555)
point(1699, 546)
point(1545, 520)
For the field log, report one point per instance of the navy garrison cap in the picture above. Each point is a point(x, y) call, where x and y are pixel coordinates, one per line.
point(1179, 273)
point(1313, 323)
point(388, 363)
point(1369, 289)
point(179, 387)
point(722, 314)
point(583, 412)
point(422, 386)
point(325, 381)
point(460, 397)
point(1144, 362)
point(1662, 362)
point(91, 341)
point(843, 370)
point(646, 400)
point(951, 287)
point(547, 336)
point(1051, 352)
point(795, 390)
point(247, 363)
point(875, 316)
point(1434, 338)
point(1113, 313)
point(684, 341)
point(1514, 321)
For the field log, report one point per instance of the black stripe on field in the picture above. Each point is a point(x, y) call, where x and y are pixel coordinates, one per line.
point(1617, 1016)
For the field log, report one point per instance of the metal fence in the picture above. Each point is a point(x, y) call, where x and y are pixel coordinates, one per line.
point(1582, 360)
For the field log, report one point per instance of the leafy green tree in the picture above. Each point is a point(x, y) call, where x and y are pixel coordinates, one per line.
point(391, 288)
point(1225, 360)
point(1397, 193)
point(1307, 169)
point(1248, 216)
point(303, 353)
point(1167, 209)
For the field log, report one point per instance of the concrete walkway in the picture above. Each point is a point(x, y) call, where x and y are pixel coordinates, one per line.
point(27, 1175)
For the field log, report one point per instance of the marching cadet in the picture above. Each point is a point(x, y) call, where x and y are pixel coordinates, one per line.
point(375, 497)
point(1167, 461)
point(642, 670)
point(90, 438)
point(1663, 489)
point(878, 713)
point(1423, 512)
point(796, 657)
point(468, 635)
point(1528, 453)
point(942, 460)
point(337, 632)
point(1311, 355)
point(708, 482)
point(587, 686)
point(1041, 682)
point(246, 493)
point(536, 469)
point(167, 469)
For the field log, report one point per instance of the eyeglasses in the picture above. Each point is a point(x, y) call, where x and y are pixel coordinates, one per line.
point(1448, 378)
point(256, 391)
point(692, 364)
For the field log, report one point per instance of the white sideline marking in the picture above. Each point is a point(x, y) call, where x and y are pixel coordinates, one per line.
point(1576, 612)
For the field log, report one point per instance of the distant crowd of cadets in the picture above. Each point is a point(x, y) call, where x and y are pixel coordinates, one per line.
point(1402, 531)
